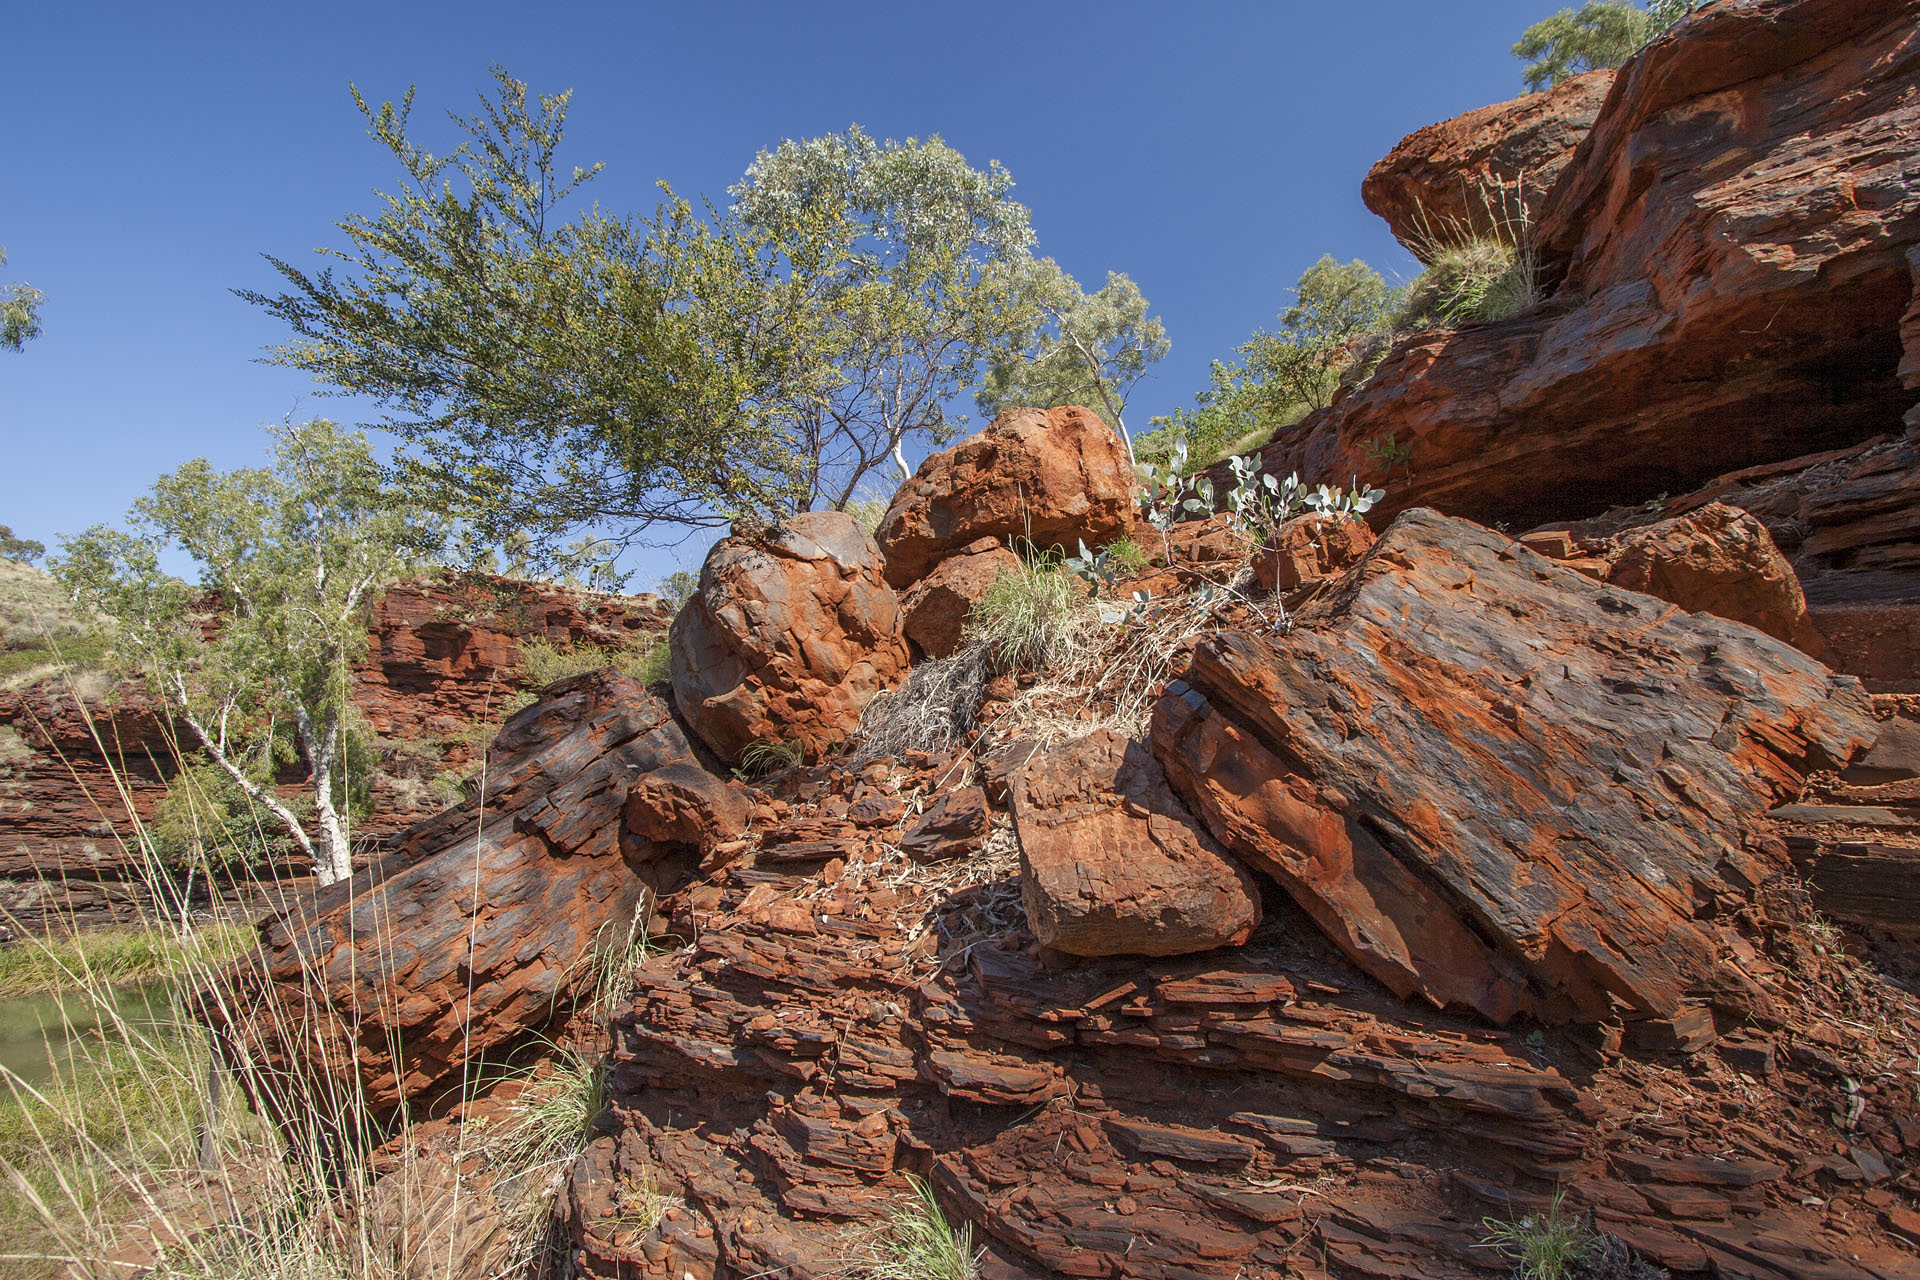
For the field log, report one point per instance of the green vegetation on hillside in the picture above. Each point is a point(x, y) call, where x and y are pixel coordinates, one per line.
point(255, 660)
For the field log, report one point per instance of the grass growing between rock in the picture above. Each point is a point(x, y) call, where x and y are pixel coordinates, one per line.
point(914, 1243)
point(1032, 618)
point(114, 957)
point(1544, 1246)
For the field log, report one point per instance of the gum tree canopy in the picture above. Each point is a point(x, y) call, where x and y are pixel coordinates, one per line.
point(255, 659)
point(621, 374)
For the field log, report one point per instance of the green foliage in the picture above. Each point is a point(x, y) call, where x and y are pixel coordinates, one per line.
point(1282, 374)
point(1543, 1246)
point(908, 261)
point(1083, 349)
point(19, 319)
point(1601, 33)
point(1485, 278)
point(677, 588)
point(1031, 618)
point(551, 375)
point(915, 1243)
point(761, 759)
point(1335, 303)
point(1127, 555)
point(206, 820)
point(25, 550)
point(615, 373)
point(256, 659)
point(543, 662)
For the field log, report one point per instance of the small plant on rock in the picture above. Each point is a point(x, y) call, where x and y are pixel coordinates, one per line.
point(1262, 502)
point(1031, 618)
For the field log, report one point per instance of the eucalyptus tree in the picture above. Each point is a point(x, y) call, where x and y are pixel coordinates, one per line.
point(550, 374)
point(1600, 33)
point(19, 313)
point(910, 259)
point(255, 658)
point(1086, 349)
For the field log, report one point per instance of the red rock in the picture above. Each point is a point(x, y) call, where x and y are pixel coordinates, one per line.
point(1727, 258)
point(1308, 549)
point(1848, 520)
point(1218, 537)
point(1717, 560)
point(1113, 864)
point(955, 826)
point(788, 638)
point(1407, 759)
point(499, 906)
point(1054, 476)
point(682, 803)
point(937, 605)
point(1484, 169)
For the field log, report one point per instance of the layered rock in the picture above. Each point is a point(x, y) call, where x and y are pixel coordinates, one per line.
point(1500, 785)
point(475, 934)
point(937, 605)
point(1717, 560)
point(1483, 171)
point(1847, 520)
point(789, 637)
point(1727, 253)
point(1051, 476)
point(1309, 549)
point(1111, 863)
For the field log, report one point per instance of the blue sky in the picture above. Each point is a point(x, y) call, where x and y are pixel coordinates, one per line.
point(152, 153)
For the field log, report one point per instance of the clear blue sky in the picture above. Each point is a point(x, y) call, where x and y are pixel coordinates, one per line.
point(151, 153)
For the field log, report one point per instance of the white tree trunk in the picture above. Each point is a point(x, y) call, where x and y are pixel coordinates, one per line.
point(255, 792)
point(332, 855)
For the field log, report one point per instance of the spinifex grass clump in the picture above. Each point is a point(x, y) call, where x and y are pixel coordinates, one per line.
point(915, 1243)
point(1033, 617)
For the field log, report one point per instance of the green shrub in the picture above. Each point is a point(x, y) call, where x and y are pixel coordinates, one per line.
point(542, 662)
point(763, 758)
point(915, 1243)
point(1031, 618)
point(1127, 555)
point(1543, 1246)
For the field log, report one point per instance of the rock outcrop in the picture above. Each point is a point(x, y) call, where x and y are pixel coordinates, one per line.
point(1054, 476)
point(1727, 258)
point(474, 934)
point(1485, 170)
point(1309, 549)
point(937, 605)
point(789, 637)
point(1717, 560)
point(1111, 863)
point(1500, 785)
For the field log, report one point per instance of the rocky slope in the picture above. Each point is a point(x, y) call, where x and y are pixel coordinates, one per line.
point(1294, 928)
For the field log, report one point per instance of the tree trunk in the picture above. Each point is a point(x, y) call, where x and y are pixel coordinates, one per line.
point(332, 856)
point(255, 792)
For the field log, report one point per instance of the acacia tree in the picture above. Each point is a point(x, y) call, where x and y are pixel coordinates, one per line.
point(19, 313)
point(608, 373)
point(907, 258)
point(1086, 349)
point(256, 657)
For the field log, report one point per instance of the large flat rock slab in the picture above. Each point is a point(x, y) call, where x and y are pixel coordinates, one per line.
point(1500, 785)
point(1113, 864)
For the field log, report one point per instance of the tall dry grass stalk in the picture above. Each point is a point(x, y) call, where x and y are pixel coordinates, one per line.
point(148, 1152)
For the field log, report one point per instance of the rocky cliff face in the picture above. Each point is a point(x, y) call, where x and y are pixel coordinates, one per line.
point(1726, 251)
point(82, 759)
